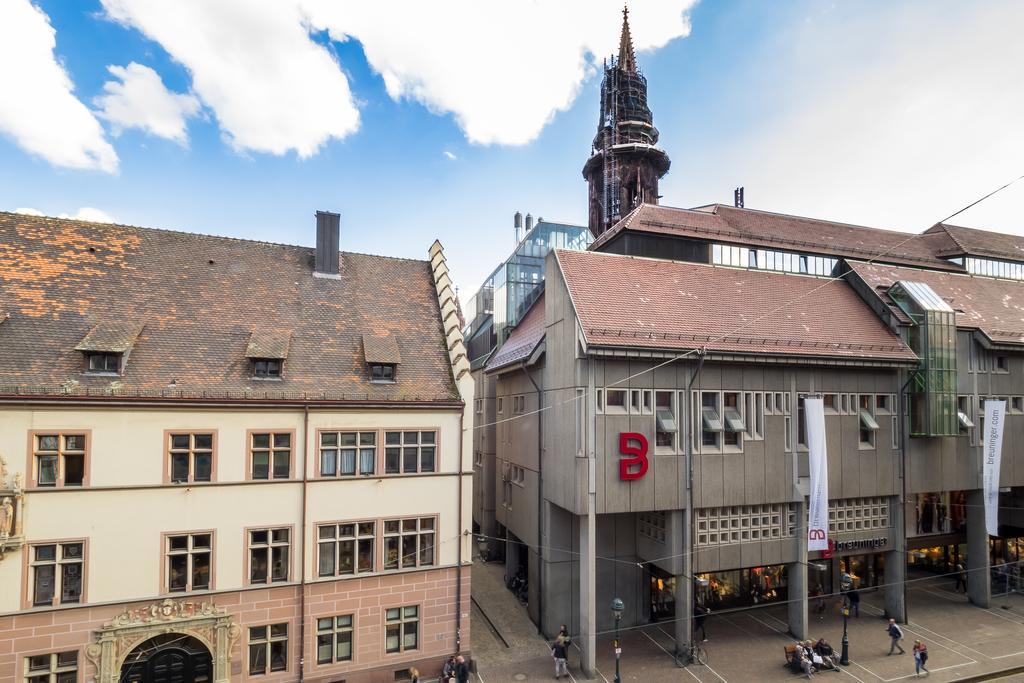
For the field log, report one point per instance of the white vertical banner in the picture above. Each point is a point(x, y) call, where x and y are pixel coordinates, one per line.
point(992, 454)
point(817, 511)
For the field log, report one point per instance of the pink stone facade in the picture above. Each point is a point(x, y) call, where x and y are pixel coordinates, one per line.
point(433, 591)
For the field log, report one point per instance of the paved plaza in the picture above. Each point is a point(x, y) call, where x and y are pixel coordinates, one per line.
point(748, 645)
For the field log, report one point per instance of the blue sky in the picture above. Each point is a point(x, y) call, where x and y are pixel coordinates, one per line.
point(884, 114)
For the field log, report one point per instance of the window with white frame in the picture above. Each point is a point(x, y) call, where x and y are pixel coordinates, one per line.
point(710, 420)
point(858, 514)
point(732, 419)
point(883, 404)
point(844, 404)
point(348, 454)
point(895, 431)
point(401, 629)
point(665, 420)
point(579, 406)
point(410, 452)
point(744, 523)
point(963, 413)
point(1016, 404)
point(56, 571)
point(753, 409)
point(615, 400)
point(345, 549)
point(409, 543)
point(334, 639)
point(830, 403)
point(599, 400)
point(53, 667)
point(866, 417)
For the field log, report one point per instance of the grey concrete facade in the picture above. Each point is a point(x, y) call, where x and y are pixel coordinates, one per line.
point(557, 488)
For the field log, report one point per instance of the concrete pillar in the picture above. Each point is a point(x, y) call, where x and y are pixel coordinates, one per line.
point(684, 582)
point(588, 589)
point(896, 567)
point(979, 584)
point(796, 577)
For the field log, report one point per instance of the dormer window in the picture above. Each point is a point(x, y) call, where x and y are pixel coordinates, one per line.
point(382, 357)
point(382, 372)
point(103, 363)
point(107, 346)
point(266, 368)
point(267, 351)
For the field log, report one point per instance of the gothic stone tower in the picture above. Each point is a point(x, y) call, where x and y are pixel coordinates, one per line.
point(625, 164)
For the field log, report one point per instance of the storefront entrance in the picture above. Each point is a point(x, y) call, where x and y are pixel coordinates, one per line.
point(742, 587)
point(663, 595)
point(867, 571)
point(168, 658)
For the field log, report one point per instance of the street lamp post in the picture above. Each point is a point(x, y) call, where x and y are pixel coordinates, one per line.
point(617, 608)
point(846, 583)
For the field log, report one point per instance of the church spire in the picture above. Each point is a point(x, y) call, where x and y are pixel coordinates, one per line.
point(627, 58)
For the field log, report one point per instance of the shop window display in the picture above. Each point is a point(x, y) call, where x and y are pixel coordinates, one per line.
point(943, 512)
point(741, 587)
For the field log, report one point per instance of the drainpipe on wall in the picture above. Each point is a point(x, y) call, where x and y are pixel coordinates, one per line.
point(687, 560)
point(462, 540)
point(540, 498)
point(305, 536)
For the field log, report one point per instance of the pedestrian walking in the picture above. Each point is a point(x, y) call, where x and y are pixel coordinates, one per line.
point(448, 671)
point(461, 670)
point(819, 601)
point(920, 658)
point(414, 674)
point(895, 636)
point(699, 615)
point(561, 655)
point(961, 578)
point(854, 598)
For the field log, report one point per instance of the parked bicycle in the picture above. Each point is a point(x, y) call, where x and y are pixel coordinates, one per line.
point(694, 653)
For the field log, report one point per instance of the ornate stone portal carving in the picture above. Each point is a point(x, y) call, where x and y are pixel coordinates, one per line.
point(12, 510)
point(204, 621)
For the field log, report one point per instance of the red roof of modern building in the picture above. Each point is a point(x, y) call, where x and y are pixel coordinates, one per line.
point(783, 232)
point(523, 340)
point(973, 242)
point(640, 303)
point(192, 307)
point(993, 306)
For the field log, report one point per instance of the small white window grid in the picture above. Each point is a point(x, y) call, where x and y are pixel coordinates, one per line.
point(858, 514)
point(744, 523)
point(616, 401)
point(653, 525)
point(517, 475)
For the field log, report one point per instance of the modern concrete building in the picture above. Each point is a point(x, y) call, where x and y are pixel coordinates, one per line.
point(649, 424)
point(228, 460)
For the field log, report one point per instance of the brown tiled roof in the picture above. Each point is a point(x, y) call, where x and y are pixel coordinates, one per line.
point(268, 343)
point(630, 302)
point(780, 231)
point(974, 242)
point(380, 349)
point(996, 307)
point(111, 336)
point(524, 339)
point(201, 298)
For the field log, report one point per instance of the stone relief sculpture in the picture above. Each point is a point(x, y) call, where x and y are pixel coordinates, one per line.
point(12, 507)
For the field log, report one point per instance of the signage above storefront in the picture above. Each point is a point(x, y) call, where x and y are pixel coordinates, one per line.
point(634, 445)
point(835, 546)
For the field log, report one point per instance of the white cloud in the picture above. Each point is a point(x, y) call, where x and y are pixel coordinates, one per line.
point(38, 108)
point(270, 86)
point(895, 118)
point(88, 213)
point(449, 155)
point(504, 69)
point(139, 99)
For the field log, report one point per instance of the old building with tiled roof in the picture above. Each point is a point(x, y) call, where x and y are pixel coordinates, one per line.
point(267, 431)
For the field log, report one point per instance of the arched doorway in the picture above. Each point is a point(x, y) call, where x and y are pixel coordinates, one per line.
point(168, 658)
